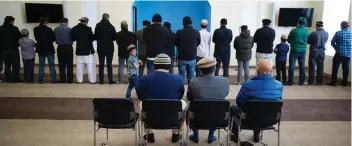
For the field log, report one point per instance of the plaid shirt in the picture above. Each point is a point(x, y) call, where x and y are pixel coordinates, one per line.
point(342, 42)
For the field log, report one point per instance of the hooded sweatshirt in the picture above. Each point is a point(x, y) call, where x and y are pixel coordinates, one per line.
point(243, 45)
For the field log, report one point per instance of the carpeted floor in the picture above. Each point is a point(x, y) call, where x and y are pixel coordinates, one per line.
point(81, 109)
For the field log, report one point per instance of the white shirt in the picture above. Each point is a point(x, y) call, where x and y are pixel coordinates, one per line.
point(203, 50)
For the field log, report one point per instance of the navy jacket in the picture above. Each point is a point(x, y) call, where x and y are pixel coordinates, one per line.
point(187, 40)
point(105, 35)
point(160, 85)
point(171, 45)
point(83, 35)
point(156, 38)
point(261, 87)
point(264, 37)
point(222, 38)
point(281, 51)
point(45, 37)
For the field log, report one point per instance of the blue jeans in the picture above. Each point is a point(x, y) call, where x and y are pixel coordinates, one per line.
point(197, 69)
point(132, 82)
point(150, 66)
point(291, 69)
point(188, 66)
point(121, 68)
point(51, 66)
point(172, 65)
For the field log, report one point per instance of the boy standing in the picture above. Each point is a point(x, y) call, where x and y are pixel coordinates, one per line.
point(281, 51)
point(133, 64)
point(28, 55)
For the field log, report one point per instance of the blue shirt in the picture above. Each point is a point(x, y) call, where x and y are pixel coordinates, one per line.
point(63, 35)
point(281, 51)
point(131, 69)
point(160, 85)
point(261, 87)
point(342, 42)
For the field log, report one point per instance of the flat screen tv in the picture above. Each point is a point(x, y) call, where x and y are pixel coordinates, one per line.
point(289, 16)
point(53, 12)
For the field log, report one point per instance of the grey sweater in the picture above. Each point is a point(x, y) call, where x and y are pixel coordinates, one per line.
point(317, 40)
point(208, 87)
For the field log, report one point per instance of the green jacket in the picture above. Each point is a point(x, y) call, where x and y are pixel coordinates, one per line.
point(298, 39)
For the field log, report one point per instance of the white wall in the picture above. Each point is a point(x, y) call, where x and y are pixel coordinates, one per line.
point(237, 13)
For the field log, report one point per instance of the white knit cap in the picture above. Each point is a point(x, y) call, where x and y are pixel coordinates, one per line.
point(204, 22)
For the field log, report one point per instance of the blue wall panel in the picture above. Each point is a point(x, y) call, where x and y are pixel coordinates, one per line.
point(173, 12)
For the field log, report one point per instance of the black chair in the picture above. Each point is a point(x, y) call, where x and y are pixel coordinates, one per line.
point(114, 114)
point(162, 115)
point(259, 115)
point(209, 114)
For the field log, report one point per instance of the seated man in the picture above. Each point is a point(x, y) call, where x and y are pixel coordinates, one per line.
point(160, 84)
point(262, 87)
point(207, 87)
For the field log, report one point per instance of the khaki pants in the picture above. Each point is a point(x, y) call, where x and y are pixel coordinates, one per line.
point(174, 131)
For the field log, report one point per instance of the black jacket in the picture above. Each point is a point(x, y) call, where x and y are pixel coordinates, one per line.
point(156, 38)
point(123, 39)
point(105, 35)
point(222, 38)
point(264, 37)
point(187, 41)
point(9, 35)
point(243, 45)
point(171, 45)
point(84, 38)
point(45, 37)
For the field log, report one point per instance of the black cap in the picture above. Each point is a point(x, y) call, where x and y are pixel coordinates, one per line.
point(244, 27)
point(344, 24)
point(266, 21)
point(64, 20)
point(156, 18)
point(8, 19)
point(187, 20)
point(319, 23)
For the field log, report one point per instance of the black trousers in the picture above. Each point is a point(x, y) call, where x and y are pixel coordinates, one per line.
point(337, 60)
point(236, 111)
point(109, 57)
point(28, 66)
point(12, 65)
point(225, 60)
point(143, 58)
point(318, 60)
point(65, 58)
point(281, 71)
point(1, 63)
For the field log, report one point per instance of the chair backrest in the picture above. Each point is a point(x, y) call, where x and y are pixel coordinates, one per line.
point(109, 111)
point(162, 114)
point(207, 114)
point(261, 113)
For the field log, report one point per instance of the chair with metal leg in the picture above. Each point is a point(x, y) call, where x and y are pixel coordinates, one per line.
point(112, 113)
point(259, 115)
point(209, 114)
point(161, 114)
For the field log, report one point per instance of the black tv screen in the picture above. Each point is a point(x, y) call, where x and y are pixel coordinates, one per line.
point(52, 11)
point(289, 16)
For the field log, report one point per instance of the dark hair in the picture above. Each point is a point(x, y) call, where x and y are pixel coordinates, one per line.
point(167, 25)
point(244, 27)
point(283, 40)
point(302, 22)
point(64, 20)
point(129, 50)
point(187, 21)
point(157, 18)
point(146, 22)
point(223, 21)
point(43, 20)
point(203, 26)
point(162, 66)
point(207, 71)
point(9, 19)
point(319, 24)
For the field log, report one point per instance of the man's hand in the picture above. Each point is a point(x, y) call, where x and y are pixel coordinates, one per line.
point(140, 62)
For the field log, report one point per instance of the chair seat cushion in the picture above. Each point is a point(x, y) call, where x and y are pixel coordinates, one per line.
point(127, 126)
point(266, 128)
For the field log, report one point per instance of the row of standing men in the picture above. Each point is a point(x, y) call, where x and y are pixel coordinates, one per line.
point(153, 39)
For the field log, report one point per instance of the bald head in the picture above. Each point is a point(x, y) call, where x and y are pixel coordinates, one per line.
point(265, 66)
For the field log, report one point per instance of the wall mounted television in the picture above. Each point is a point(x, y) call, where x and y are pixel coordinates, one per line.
point(289, 16)
point(34, 11)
